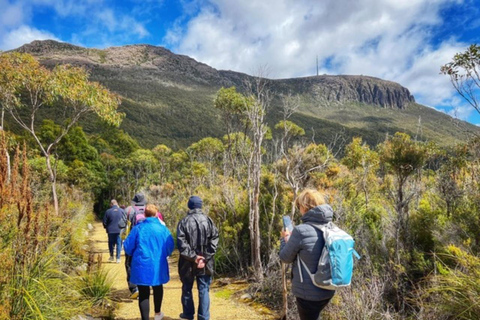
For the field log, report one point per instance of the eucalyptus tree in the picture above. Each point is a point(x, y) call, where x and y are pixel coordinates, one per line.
point(464, 73)
point(27, 88)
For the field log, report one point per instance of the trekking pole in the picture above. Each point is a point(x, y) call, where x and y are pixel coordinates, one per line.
point(284, 292)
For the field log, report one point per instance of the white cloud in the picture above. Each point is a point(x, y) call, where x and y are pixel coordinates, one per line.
point(21, 35)
point(103, 24)
point(389, 39)
point(462, 112)
point(11, 15)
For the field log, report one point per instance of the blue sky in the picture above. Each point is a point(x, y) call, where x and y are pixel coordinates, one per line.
point(405, 41)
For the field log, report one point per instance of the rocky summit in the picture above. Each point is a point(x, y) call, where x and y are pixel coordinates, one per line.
point(168, 98)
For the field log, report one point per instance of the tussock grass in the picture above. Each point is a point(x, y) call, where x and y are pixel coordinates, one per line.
point(96, 287)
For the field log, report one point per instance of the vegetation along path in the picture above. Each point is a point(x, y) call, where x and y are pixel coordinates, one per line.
point(223, 306)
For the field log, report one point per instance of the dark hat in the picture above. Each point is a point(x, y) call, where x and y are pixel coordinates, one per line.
point(194, 202)
point(139, 199)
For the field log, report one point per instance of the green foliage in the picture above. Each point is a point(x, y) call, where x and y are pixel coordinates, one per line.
point(36, 248)
point(95, 286)
point(229, 100)
point(290, 128)
point(454, 293)
point(207, 149)
point(402, 155)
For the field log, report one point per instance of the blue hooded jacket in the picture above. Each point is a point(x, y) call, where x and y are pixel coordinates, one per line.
point(149, 244)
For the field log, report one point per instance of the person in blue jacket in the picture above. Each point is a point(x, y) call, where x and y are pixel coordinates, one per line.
point(149, 243)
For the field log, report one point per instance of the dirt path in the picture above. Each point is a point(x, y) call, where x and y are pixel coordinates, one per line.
point(221, 307)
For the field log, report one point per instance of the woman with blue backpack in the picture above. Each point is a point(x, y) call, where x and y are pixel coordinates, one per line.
point(304, 246)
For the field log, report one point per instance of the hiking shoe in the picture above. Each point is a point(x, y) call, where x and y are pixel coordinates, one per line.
point(110, 259)
point(159, 316)
point(134, 294)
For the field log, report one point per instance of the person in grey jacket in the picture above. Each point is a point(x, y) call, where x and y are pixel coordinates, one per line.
point(307, 242)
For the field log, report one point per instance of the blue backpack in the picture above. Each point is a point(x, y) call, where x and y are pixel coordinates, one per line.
point(335, 266)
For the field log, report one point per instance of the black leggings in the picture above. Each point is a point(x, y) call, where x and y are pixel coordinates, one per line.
point(310, 310)
point(144, 297)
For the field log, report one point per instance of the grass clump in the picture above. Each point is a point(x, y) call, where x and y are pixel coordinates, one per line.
point(96, 287)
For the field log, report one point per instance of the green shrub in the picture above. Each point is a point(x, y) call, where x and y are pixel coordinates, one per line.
point(96, 287)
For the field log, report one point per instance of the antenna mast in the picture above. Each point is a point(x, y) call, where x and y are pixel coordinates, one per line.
point(317, 65)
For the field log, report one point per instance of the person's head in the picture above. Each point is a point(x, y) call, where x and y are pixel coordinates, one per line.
point(308, 199)
point(113, 202)
point(150, 211)
point(194, 203)
point(139, 200)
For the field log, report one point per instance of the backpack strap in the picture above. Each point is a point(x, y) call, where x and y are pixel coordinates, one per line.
point(300, 268)
point(300, 262)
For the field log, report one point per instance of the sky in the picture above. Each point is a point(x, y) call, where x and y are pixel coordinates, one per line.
point(406, 41)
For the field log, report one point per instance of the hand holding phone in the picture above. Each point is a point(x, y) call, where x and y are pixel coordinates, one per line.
point(287, 227)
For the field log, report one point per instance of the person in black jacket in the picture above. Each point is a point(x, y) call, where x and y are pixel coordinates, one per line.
point(111, 221)
point(197, 240)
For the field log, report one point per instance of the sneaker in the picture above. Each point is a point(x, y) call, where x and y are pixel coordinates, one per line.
point(159, 316)
point(182, 317)
point(134, 294)
point(110, 259)
point(118, 260)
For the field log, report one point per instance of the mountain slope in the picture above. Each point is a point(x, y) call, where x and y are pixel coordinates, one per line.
point(168, 98)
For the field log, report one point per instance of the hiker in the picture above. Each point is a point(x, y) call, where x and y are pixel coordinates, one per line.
point(149, 244)
point(197, 239)
point(111, 221)
point(130, 220)
point(307, 242)
point(140, 217)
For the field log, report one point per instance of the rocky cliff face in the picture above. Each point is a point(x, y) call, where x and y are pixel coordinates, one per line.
point(168, 98)
point(362, 89)
point(159, 64)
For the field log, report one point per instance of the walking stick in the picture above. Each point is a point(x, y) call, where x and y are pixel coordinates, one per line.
point(284, 292)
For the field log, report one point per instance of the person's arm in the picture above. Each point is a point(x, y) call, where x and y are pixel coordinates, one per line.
point(170, 244)
point(105, 219)
point(130, 243)
point(183, 246)
point(212, 241)
point(289, 251)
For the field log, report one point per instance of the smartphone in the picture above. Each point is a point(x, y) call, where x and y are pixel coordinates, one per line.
point(287, 223)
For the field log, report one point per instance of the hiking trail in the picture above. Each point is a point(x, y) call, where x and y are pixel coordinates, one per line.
point(222, 306)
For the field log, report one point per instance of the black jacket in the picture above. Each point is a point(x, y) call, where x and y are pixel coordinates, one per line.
point(196, 235)
point(112, 218)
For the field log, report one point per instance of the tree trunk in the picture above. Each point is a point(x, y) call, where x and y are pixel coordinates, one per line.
point(53, 180)
point(9, 168)
point(294, 200)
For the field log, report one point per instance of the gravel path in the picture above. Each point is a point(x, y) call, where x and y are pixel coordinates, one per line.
point(220, 308)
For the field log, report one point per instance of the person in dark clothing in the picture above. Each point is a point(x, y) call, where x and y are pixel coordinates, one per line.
point(130, 218)
point(197, 240)
point(307, 242)
point(111, 220)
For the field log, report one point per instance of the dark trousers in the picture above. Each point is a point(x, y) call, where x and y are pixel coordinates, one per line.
point(144, 300)
point(114, 240)
point(128, 268)
point(310, 310)
point(203, 285)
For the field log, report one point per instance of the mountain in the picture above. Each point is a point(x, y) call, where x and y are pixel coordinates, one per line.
point(168, 98)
